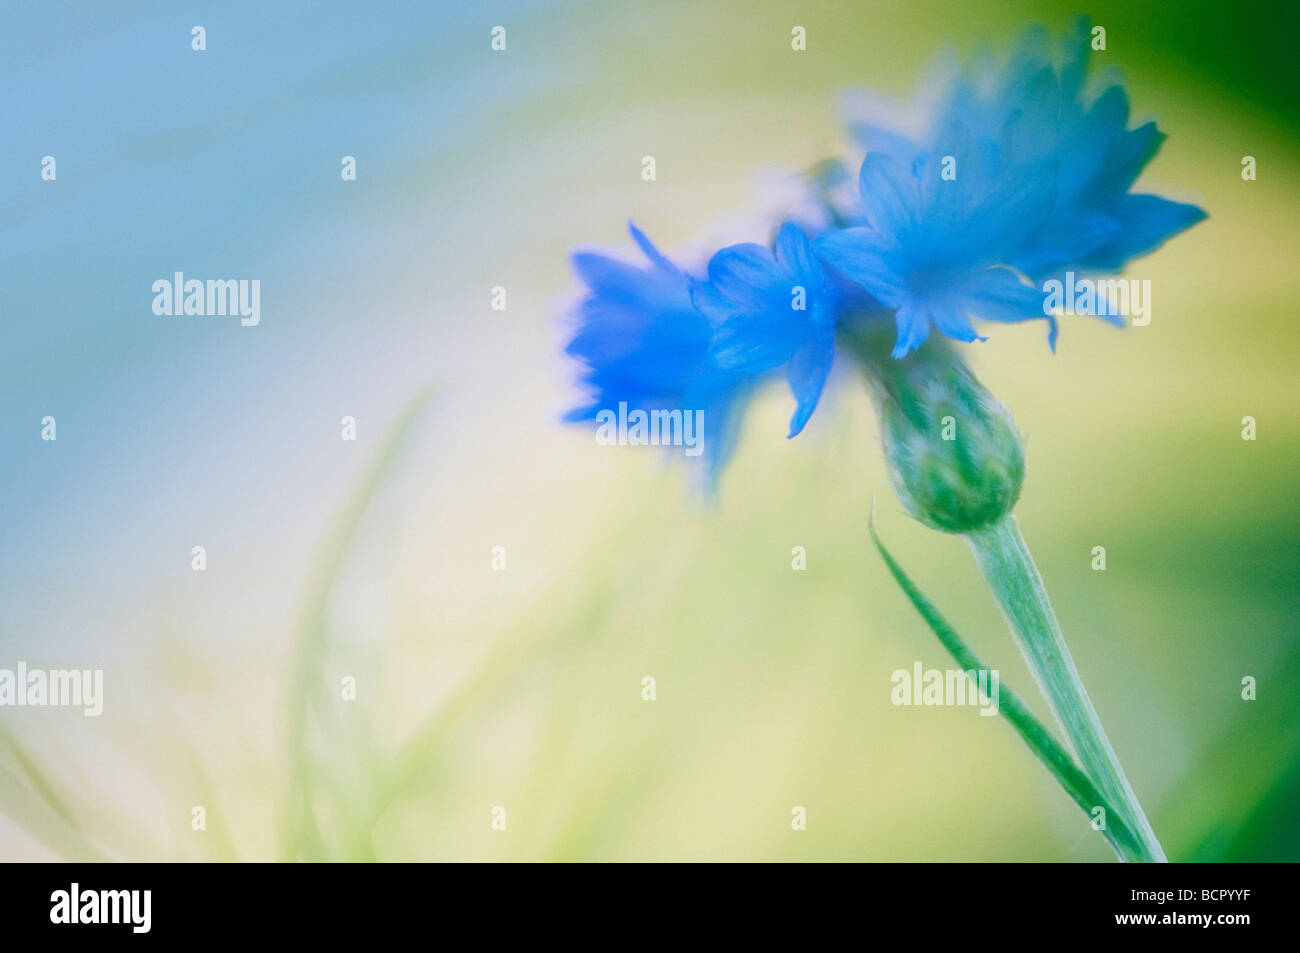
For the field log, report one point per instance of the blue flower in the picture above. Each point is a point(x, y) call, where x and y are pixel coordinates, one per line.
point(1018, 177)
point(643, 343)
point(1038, 181)
point(1095, 223)
point(935, 248)
point(773, 310)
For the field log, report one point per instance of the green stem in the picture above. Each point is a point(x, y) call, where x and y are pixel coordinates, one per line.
point(1011, 574)
point(1041, 742)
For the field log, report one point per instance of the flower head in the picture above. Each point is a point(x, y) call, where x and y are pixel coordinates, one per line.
point(1021, 175)
point(935, 247)
point(643, 343)
point(774, 309)
point(1039, 107)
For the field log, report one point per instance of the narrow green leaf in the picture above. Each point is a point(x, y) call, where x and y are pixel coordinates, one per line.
point(1017, 586)
point(1041, 742)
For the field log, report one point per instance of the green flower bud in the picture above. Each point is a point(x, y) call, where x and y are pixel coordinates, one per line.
point(954, 454)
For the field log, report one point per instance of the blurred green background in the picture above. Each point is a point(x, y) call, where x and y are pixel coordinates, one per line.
point(522, 689)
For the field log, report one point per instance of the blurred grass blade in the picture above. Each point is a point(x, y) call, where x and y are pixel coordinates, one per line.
point(30, 796)
point(303, 838)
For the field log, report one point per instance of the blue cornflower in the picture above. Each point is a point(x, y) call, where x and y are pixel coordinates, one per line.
point(1095, 223)
point(935, 248)
point(1018, 177)
point(645, 344)
point(774, 309)
point(944, 250)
